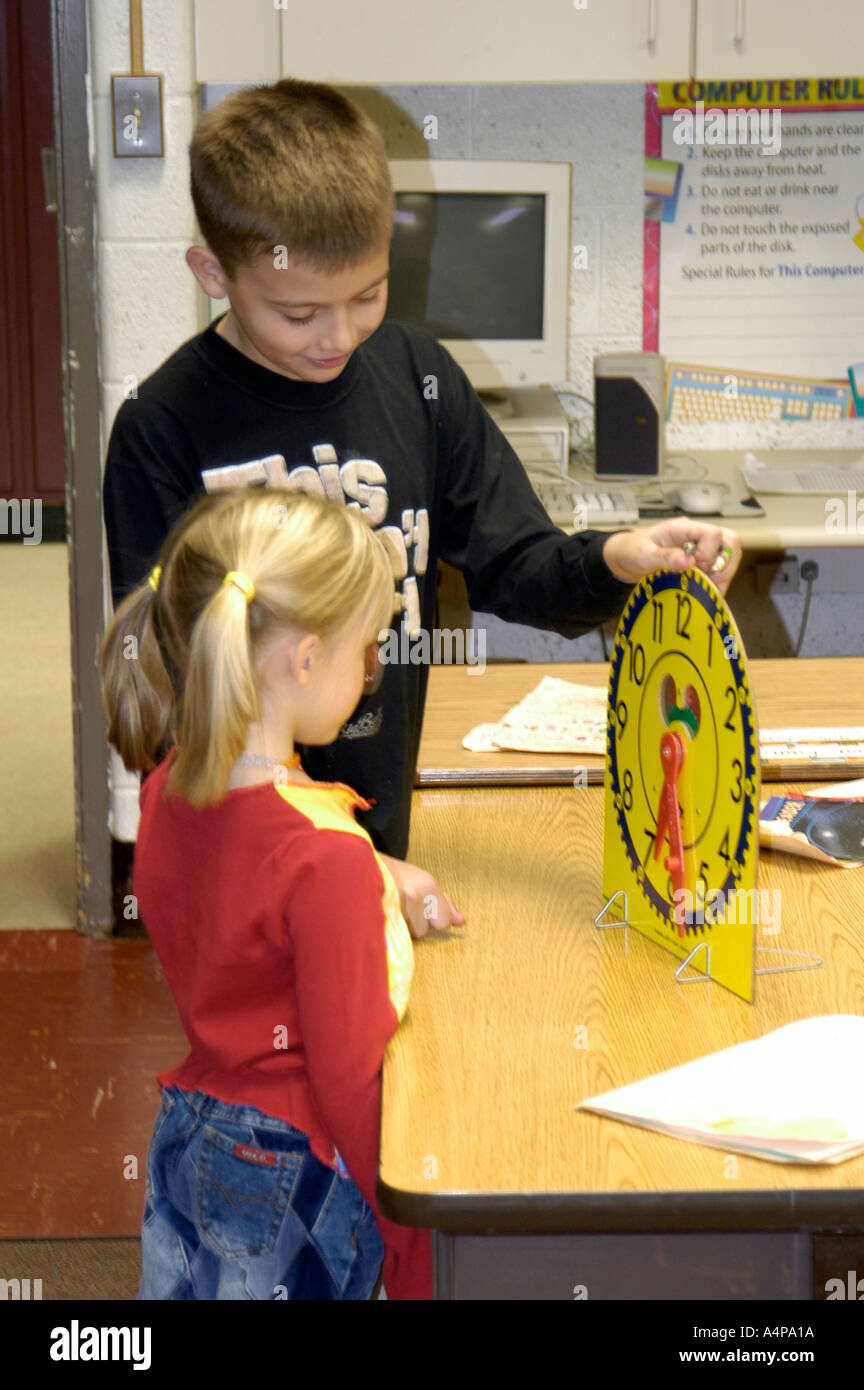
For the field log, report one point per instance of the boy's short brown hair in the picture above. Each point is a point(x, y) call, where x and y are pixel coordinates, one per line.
point(294, 164)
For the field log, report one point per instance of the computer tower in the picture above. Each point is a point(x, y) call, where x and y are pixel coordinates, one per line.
point(629, 410)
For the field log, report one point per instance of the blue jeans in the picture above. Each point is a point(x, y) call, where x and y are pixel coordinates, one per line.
point(239, 1207)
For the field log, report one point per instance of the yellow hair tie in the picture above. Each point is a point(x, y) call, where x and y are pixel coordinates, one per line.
point(154, 576)
point(242, 582)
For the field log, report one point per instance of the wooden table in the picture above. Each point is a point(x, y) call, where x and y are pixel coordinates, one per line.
point(787, 693)
point(529, 1008)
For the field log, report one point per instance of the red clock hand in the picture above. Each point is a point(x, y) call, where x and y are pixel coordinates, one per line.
point(669, 812)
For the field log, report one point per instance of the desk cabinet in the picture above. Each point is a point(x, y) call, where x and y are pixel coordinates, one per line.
point(658, 1268)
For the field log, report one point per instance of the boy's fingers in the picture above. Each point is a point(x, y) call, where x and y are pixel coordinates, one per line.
point(673, 559)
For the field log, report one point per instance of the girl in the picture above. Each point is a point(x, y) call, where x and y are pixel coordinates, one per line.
point(276, 923)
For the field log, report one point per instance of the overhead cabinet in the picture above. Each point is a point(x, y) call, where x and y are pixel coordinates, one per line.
point(393, 42)
point(780, 38)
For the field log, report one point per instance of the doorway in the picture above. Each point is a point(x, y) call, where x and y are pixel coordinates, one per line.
point(32, 445)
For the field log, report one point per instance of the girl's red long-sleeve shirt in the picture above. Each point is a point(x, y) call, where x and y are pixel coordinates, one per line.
point(280, 935)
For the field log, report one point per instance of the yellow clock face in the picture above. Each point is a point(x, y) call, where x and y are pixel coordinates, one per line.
point(682, 767)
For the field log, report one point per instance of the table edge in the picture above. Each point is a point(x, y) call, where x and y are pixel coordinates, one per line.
point(558, 776)
point(546, 1213)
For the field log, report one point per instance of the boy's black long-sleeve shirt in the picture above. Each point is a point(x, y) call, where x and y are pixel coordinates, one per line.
point(401, 434)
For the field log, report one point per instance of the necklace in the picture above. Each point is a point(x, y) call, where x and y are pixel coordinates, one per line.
point(258, 760)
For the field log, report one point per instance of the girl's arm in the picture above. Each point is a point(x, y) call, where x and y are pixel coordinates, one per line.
point(335, 919)
point(424, 904)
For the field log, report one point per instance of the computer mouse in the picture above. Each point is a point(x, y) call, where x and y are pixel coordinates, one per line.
point(701, 499)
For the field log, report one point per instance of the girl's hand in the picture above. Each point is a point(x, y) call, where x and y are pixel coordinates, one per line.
point(632, 554)
point(424, 904)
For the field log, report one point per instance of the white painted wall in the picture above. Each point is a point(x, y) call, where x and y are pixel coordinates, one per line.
point(144, 216)
point(148, 303)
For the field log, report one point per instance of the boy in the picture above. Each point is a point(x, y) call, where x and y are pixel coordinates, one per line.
point(302, 383)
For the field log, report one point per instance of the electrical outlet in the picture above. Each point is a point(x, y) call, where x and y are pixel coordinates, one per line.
point(777, 577)
point(137, 106)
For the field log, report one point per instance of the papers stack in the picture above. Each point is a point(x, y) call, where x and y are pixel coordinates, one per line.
point(793, 1096)
point(557, 717)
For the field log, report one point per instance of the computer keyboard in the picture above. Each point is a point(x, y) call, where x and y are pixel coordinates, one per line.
point(700, 394)
point(816, 479)
point(576, 506)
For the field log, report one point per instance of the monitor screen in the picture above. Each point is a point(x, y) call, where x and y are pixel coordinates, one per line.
point(469, 265)
point(480, 259)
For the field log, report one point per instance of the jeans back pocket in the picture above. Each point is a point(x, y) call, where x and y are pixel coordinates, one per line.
point(243, 1194)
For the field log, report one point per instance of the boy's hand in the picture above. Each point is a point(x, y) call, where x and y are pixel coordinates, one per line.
point(632, 554)
point(424, 905)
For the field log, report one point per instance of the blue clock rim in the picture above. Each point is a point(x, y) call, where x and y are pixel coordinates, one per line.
point(707, 597)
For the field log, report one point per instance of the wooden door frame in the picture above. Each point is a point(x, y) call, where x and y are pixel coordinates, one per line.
point(82, 414)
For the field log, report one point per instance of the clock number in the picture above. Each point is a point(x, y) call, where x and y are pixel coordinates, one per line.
point(652, 835)
point(730, 691)
point(737, 788)
point(637, 662)
point(621, 716)
point(682, 617)
point(657, 613)
point(627, 790)
point(701, 892)
point(723, 850)
point(710, 641)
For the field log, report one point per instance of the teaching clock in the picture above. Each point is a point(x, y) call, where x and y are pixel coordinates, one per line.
point(682, 775)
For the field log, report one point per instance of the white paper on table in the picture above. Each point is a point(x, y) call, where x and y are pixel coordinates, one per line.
point(556, 717)
point(794, 1095)
point(481, 740)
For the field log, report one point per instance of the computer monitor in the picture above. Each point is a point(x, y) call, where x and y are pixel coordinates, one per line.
point(480, 258)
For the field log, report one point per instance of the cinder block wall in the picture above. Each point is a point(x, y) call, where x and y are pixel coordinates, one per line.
point(147, 299)
point(148, 302)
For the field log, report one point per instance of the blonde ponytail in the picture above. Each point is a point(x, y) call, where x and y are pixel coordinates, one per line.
point(314, 566)
point(220, 697)
point(136, 688)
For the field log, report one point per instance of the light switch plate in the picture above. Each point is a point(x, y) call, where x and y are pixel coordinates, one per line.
point(137, 106)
